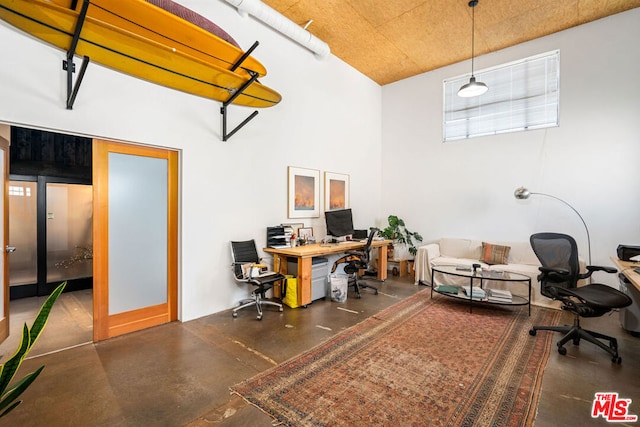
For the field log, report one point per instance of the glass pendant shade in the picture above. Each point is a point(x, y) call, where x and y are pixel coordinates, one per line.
point(473, 88)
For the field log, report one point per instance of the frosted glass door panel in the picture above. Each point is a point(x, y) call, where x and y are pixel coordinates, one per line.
point(69, 232)
point(137, 232)
point(23, 206)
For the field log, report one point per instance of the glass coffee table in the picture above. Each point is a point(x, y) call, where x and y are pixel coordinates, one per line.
point(473, 285)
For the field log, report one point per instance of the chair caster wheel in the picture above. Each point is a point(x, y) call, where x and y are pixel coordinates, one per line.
point(576, 341)
point(532, 332)
point(358, 296)
point(617, 360)
point(281, 309)
point(562, 350)
point(259, 317)
point(376, 293)
point(234, 315)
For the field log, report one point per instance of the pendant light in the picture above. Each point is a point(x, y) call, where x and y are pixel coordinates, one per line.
point(473, 88)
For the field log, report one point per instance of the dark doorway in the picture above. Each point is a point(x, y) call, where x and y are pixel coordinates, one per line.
point(50, 203)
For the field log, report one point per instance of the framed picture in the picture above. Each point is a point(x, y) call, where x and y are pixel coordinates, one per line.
point(305, 232)
point(304, 193)
point(336, 191)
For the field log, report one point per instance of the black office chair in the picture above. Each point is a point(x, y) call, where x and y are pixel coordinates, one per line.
point(356, 261)
point(559, 276)
point(246, 269)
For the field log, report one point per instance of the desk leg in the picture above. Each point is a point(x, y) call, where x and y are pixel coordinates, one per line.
point(280, 266)
point(304, 281)
point(382, 263)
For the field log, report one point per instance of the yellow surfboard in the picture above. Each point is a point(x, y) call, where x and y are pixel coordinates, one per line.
point(160, 25)
point(133, 54)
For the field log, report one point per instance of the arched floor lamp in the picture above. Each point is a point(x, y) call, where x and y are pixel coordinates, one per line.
point(522, 193)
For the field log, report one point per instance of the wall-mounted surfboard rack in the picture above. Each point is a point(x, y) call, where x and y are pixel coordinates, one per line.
point(72, 88)
point(68, 64)
point(225, 104)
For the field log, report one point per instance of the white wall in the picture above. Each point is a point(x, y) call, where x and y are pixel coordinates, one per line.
point(329, 120)
point(465, 188)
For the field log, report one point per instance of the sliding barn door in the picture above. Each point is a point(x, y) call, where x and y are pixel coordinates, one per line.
point(135, 237)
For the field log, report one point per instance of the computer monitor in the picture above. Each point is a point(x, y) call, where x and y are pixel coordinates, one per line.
point(339, 222)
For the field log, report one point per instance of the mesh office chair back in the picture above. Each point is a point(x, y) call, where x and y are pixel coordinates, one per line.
point(556, 251)
point(363, 257)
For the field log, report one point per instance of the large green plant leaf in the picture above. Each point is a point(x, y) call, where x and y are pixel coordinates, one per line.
point(10, 408)
point(9, 369)
point(15, 391)
point(41, 319)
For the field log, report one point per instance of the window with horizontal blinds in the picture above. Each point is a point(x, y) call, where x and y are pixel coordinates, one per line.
point(522, 95)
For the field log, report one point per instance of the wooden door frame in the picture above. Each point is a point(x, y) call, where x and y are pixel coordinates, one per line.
point(105, 325)
point(4, 321)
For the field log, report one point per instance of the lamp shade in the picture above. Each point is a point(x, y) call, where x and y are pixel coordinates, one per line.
point(521, 193)
point(473, 88)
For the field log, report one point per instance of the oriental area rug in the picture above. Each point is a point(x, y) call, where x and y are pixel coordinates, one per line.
point(420, 362)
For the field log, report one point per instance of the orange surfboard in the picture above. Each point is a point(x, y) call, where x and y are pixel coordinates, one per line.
point(133, 54)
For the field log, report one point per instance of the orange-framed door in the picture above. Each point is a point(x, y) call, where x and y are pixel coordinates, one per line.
point(4, 231)
point(135, 235)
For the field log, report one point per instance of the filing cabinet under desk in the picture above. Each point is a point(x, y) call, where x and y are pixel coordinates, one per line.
point(319, 273)
point(630, 316)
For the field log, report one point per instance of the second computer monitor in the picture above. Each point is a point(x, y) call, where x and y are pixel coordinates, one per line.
point(339, 223)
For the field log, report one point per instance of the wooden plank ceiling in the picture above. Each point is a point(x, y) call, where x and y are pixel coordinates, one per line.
point(389, 40)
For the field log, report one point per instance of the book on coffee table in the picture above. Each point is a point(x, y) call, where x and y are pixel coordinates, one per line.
point(499, 295)
point(474, 292)
point(448, 289)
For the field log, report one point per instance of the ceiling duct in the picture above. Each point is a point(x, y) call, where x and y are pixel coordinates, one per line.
point(278, 22)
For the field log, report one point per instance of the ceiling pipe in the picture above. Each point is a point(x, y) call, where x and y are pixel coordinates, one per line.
point(278, 22)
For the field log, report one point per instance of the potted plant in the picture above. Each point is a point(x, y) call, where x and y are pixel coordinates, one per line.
point(397, 231)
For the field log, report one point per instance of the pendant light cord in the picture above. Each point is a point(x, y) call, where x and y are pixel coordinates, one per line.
point(473, 4)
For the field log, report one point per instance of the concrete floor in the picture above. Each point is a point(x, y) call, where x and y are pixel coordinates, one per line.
point(180, 373)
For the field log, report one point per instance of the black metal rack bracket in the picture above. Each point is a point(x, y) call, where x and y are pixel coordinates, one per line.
point(244, 56)
point(225, 104)
point(72, 89)
point(68, 64)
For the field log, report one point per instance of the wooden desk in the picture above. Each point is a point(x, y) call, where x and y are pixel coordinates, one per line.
point(305, 253)
point(626, 268)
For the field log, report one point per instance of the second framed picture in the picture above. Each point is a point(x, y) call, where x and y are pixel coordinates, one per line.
point(336, 191)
